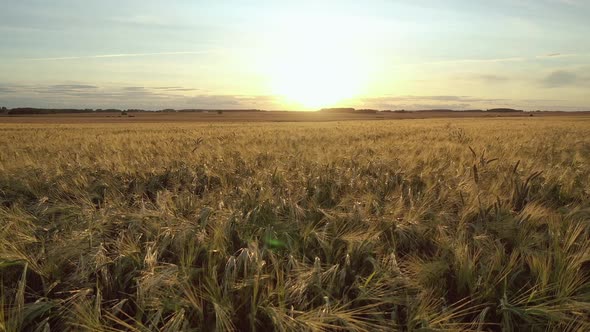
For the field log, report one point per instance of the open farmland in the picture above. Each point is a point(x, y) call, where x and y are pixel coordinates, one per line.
point(414, 225)
point(262, 116)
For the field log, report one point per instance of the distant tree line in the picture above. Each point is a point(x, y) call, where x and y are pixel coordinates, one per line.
point(30, 110)
point(33, 110)
point(347, 110)
point(503, 110)
point(353, 110)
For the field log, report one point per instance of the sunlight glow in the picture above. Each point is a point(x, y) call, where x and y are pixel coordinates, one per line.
point(317, 65)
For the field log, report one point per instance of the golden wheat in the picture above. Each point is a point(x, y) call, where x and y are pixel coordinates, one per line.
point(461, 225)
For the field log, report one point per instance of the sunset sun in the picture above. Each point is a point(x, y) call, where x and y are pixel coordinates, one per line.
point(315, 80)
point(315, 67)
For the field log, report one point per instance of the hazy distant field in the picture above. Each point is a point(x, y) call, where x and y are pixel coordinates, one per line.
point(417, 225)
point(273, 116)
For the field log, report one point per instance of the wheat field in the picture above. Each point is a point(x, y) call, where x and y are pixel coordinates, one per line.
point(411, 225)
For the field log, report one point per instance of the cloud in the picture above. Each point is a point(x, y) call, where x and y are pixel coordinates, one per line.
point(144, 20)
point(79, 95)
point(568, 2)
point(151, 22)
point(432, 102)
point(410, 102)
point(482, 78)
point(563, 78)
point(120, 55)
point(562, 55)
point(74, 86)
point(151, 98)
point(490, 78)
point(426, 106)
point(466, 99)
point(134, 88)
point(474, 60)
point(541, 100)
point(58, 88)
point(549, 56)
point(174, 88)
point(182, 89)
point(235, 101)
point(6, 90)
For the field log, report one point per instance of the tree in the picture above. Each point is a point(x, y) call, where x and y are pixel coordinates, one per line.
point(219, 111)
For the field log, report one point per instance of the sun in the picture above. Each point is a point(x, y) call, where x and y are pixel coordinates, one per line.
point(316, 78)
point(314, 67)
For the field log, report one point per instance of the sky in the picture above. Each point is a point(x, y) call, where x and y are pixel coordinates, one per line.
point(295, 55)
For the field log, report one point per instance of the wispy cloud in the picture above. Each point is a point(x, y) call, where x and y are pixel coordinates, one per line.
point(140, 20)
point(121, 55)
point(562, 55)
point(565, 78)
point(483, 77)
point(94, 96)
point(568, 2)
point(410, 102)
point(444, 98)
point(173, 88)
point(506, 59)
point(488, 60)
point(4, 90)
point(464, 103)
point(74, 86)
